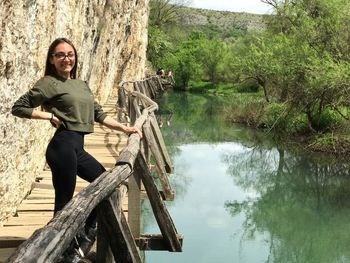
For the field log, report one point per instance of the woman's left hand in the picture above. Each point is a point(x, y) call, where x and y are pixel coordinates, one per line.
point(131, 130)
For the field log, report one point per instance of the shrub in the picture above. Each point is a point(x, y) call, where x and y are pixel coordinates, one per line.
point(249, 85)
point(276, 116)
point(328, 119)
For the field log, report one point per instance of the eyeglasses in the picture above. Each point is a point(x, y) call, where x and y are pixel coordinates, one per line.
point(62, 55)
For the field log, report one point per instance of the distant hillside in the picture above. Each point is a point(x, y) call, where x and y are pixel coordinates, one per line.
point(194, 17)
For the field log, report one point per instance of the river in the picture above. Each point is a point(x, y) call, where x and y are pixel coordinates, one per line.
point(242, 197)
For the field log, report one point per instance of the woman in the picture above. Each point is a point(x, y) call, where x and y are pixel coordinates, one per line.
point(69, 105)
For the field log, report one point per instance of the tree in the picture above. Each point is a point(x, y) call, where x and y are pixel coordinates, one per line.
point(187, 64)
point(163, 12)
point(159, 46)
point(213, 52)
point(303, 57)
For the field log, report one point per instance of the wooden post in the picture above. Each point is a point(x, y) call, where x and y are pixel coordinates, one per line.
point(136, 87)
point(122, 242)
point(132, 110)
point(151, 90)
point(159, 138)
point(161, 214)
point(160, 84)
point(134, 204)
point(147, 92)
point(169, 194)
point(121, 98)
point(103, 249)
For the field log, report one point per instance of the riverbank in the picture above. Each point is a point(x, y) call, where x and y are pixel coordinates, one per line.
point(290, 125)
point(246, 105)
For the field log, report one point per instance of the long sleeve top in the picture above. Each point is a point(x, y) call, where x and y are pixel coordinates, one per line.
point(71, 100)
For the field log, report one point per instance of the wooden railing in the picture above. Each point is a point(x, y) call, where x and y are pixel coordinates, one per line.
point(118, 240)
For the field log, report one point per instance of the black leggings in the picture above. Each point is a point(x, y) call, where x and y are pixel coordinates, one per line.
point(67, 158)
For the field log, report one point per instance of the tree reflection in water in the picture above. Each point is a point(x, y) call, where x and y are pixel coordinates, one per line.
point(302, 204)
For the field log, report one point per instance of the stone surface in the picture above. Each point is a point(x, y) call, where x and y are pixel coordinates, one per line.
point(111, 39)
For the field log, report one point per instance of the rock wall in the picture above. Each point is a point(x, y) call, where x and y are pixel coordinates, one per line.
point(110, 37)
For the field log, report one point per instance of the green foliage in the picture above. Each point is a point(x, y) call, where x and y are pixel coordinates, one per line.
point(275, 116)
point(246, 108)
point(329, 119)
point(159, 46)
point(248, 85)
point(301, 63)
point(164, 12)
point(302, 60)
point(297, 124)
point(194, 53)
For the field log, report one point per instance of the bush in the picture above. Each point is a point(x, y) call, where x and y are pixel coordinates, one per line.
point(249, 85)
point(246, 109)
point(328, 119)
point(276, 116)
point(279, 117)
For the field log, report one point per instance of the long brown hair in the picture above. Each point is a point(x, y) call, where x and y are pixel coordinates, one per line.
point(50, 68)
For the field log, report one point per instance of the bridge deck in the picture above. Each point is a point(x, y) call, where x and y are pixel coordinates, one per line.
point(37, 209)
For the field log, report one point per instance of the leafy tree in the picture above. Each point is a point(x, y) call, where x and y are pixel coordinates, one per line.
point(159, 46)
point(301, 59)
point(213, 55)
point(163, 12)
point(187, 64)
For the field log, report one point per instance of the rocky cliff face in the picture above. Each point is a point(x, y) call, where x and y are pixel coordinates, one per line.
point(111, 38)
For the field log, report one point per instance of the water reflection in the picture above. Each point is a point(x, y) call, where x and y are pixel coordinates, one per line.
point(251, 199)
point(302, 203)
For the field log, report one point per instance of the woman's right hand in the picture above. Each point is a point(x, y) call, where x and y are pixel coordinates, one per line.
point(56, 121)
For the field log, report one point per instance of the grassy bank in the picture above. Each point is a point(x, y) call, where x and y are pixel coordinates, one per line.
point(248, 106)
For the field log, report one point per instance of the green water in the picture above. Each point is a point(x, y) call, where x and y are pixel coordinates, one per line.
point(240, 197)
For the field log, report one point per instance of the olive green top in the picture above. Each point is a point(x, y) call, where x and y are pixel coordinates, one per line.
point(70, 100)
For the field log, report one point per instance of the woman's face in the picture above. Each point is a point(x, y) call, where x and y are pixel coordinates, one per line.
point(63, 59)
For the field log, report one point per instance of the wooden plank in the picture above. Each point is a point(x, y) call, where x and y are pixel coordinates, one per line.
point(28, 220)
point(11, 242)
point(35, 207)
point(5, 253)
point(41, 201)
point(160, 212)
point(17, 231)
point(35, 213)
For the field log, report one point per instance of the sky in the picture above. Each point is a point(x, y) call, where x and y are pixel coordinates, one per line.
point(248, 6)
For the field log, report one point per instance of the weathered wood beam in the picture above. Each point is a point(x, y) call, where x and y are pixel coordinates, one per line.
point(122, 242)
point(152, 91)
point(160, 84)
point(103, 250)
point(159, 139)
point(122, 98)
point(169, 194)
point(134, 203)
point(160, 211)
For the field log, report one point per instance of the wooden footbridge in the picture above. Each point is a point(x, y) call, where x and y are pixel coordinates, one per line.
point(32, 235)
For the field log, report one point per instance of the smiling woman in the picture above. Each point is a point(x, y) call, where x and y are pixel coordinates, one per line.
point(70, 106)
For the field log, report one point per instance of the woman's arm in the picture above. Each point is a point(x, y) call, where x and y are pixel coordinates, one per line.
point(43, 115)
point(114, 125)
